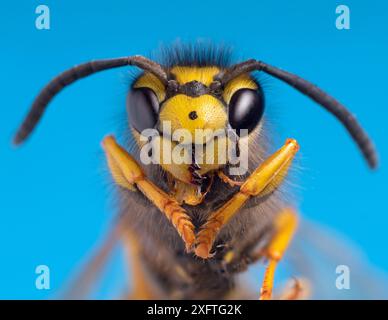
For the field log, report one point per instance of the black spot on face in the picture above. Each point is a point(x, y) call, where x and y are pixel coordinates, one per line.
point(193, 115)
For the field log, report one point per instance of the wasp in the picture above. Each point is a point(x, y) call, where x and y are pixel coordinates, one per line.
point(190, 227)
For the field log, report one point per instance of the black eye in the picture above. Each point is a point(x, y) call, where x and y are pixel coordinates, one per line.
point(246, 108)
point(143, 108)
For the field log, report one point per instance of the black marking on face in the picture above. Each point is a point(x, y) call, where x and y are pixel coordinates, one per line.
point(193, 115)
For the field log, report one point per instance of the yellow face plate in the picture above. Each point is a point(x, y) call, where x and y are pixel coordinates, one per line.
point(210, 112)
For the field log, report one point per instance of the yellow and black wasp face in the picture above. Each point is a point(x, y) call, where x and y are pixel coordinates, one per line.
point(195, 89)
point(194, 105)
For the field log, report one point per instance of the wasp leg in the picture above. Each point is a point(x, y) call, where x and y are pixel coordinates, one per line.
point(228, 180)
point(127, 173)
point(285, 226)
point(266, 178)
point(298, 290)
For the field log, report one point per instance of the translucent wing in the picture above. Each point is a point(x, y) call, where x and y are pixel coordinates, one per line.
point(334, 267)
point(321, 257)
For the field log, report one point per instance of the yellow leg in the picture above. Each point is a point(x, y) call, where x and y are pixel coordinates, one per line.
point(228, 180)
point(285, 225)
point(127, 173)
point(262, 181)
point(296, 289)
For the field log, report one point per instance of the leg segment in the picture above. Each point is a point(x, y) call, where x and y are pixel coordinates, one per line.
point(285, 225)
point(127, 173)
point(296, 289)
point(262, 181)
point(228, 180)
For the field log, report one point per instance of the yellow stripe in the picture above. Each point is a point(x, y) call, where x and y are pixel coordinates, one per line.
point(201, 74)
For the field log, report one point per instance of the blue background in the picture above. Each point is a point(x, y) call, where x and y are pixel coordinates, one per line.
point(55, 191)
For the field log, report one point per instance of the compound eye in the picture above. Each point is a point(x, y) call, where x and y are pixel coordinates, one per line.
point(143, 108)
point(246, 108)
